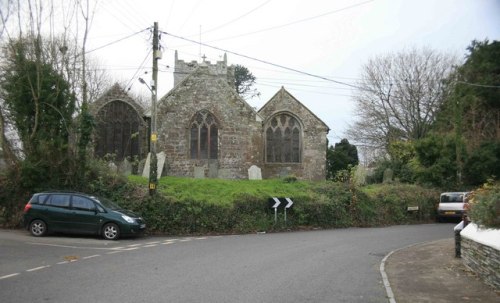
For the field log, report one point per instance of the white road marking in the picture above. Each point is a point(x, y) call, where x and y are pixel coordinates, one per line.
point(114, 252)
point(63, 262)
point(166, 243)
point(155, 242)
point(90, 257)
point(132, 248)
point(186, 240)
point(37, 268)
point(201, 238)
point(134, 245)
point(9, 276)
point(150, 245)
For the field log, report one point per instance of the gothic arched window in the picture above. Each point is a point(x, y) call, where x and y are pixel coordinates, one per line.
point(283, 139)
point(117, 130)
point(204, 136)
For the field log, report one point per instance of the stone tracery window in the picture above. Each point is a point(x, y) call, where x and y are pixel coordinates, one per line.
point(117, 130)
point(204, 136)
point(283, 139)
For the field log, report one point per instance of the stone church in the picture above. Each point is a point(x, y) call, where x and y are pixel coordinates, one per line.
point(206, 130)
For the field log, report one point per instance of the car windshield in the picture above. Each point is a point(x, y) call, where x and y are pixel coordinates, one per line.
point(108, 203)
point(452, 198)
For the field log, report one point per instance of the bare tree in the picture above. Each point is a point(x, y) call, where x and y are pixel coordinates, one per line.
point(399, 95)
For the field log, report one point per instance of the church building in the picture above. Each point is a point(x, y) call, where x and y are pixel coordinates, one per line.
point(206, 130)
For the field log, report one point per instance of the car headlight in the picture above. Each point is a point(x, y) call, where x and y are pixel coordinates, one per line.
point(128, 219)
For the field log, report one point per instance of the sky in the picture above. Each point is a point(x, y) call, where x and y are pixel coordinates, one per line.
point(327, 38)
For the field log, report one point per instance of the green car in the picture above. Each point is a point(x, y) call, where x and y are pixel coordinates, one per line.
point(70, 212)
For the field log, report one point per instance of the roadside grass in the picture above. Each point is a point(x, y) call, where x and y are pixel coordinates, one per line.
point(225, 192)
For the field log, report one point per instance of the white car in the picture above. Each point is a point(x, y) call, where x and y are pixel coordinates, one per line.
point(451, 205)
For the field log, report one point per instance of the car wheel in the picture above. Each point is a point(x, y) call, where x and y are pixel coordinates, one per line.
point(111, 231)
point(38, 228)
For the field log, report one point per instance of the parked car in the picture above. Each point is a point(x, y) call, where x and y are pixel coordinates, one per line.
point(70, 212)
point(452, 205)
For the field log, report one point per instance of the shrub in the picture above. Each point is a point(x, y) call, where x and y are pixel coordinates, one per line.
point(485, 206)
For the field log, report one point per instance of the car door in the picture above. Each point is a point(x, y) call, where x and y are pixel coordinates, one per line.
point(85, 217)
point(57, 212)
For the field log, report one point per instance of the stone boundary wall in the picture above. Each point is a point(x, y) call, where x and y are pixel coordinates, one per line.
point(480, 256)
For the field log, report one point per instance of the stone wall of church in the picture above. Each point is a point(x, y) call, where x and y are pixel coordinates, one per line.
point(240, 138)
point(314, 140)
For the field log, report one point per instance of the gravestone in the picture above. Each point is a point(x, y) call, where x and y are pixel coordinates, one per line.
point(254, 173)
point(388, 175)
point(145, 171)
point(125, 167)
point(113, 167)
point(199, 172)
point(161, 157)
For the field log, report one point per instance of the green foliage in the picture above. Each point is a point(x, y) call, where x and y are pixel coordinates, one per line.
point(483, 164)
point(41, 105)
point(340, 157)
point(485, 206)
point(244, 81)
point(437, 158)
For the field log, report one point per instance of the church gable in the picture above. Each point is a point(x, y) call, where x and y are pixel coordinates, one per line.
point(121, 131)
point(294, 139)
point(206, 128)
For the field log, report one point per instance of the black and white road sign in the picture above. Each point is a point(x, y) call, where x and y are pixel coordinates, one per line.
point(289, 204)
point(277, 203)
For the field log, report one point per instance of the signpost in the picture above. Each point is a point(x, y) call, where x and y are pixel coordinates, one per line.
point(279, 204)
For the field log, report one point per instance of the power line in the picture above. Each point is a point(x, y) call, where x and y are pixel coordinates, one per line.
point(294, 22)
point(116, 41)
point(265, 62)
point(235, 19)
point(478, 85)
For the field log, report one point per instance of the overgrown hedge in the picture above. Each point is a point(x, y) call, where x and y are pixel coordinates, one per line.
point(317, 205)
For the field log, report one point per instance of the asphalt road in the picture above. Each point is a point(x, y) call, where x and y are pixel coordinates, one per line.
point(316, 266)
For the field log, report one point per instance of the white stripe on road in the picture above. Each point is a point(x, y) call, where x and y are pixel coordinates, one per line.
point(9, 276)
point(155, 242)
point(90, 257)
point(63, 262)
point(151, 245)
point(114, 252)
point(37, 268)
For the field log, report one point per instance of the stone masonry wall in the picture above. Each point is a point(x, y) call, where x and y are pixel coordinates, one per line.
point(239, 144)
point(483, 260)
point(314, 131)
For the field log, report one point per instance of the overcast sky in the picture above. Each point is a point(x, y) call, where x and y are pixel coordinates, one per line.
point(330, 38)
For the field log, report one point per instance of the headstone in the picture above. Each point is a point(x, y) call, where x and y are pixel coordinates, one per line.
point(145, 171)
point(254, 173)
point(388, 175)
point(113, 167)
point(199, 172)
point(161, 157)
point(225, 173)
point(125, 167)
point(213, 169)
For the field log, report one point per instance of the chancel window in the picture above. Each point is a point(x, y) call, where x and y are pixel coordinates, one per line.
point(204, 136)
point(117, 131)
point(283, 139)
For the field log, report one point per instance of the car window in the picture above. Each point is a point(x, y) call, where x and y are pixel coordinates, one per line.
point(58, 200)
point(82, 203)
point(38, 198)
point(452, 198)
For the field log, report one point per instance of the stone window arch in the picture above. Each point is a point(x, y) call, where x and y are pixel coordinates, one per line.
point(117, 125)
point(204, 136)
point(283, 139)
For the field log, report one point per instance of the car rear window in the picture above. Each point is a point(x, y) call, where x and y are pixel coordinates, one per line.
point(452, 198)
point(58, 200)
point(38, 198)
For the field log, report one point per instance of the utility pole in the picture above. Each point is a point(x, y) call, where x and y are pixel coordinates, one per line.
point(153, 168)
